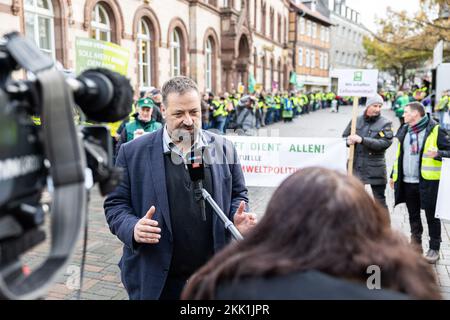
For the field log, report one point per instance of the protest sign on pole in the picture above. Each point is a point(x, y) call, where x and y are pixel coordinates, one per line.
point(91, 53)
point(443, 199)
point(267, 161)
point(356, 83)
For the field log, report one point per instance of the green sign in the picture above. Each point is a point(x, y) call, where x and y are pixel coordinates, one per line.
point(91, 53)
point(357, 76)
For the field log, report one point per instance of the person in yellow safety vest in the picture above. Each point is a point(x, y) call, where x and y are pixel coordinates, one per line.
point(270, 103)
point(229, 108)
point(443, 109)
point(419, 94)
point(330, 96)
point(312, 102)
point(417, 171)
point(277, 111)
point(219, 114)
point(259, 111)
point(304, 102)
point(318, 97)
point(296, 104)
point(36, 120)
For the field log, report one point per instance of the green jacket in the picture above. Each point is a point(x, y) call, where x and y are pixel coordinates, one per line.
point(134, 125)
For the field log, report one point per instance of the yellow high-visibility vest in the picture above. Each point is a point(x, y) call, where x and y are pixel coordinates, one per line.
point(430, 168)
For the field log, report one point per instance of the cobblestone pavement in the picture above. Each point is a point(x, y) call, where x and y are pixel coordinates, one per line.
point(101, 277)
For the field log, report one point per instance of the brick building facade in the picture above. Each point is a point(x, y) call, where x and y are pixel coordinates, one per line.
point(218, 43)
point(309, 36)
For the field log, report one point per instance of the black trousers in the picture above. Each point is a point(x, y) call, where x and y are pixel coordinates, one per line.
point(412, 197)
point(378, 191)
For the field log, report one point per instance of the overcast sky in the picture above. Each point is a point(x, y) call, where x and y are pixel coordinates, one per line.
point(369, 9)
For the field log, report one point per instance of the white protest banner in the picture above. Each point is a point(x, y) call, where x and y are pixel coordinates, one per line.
point(357, 82)
point(443, 199)
point(267, 161)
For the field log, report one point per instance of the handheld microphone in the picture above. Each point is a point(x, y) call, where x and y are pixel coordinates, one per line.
point(196, 170)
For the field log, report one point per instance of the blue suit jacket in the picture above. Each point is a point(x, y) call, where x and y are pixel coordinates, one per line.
point(144, 267)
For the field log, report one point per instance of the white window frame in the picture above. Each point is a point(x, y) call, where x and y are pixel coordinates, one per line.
point(175, 45)
point(37, 13)
point(98, 26)
point(308, 28)
point(314, 30)
point(313, 58)
point(302, 25)
point(300, 57)
point(144, 37)
point(208, 64)
point(321, 61)
point(322, 33)
point(325, 63)
point(307, 58)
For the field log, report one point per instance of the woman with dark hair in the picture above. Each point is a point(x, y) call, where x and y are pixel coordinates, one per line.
point(320, 234)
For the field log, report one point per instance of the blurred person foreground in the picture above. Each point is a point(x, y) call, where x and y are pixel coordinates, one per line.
point(331, 232)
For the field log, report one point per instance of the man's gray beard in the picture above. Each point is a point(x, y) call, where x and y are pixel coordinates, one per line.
point(184, 139)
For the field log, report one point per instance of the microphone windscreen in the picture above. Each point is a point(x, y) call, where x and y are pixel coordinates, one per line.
point(119, 107)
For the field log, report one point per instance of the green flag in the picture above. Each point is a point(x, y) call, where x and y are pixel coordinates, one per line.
point(293, 79)
point(251, 83)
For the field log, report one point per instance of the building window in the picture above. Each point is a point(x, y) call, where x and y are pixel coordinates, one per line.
point(308, 28)
point(314, 30)
point(175, 53)
point(255, 64)
point(343, 57)
point(272, 74)
point(300, 57)
point(39, 25)
point(307, 58)
point(255, 14)
point(145, 54)
point(209, 65)
point(322, 33)
point(302, 25)
point(101, 25)
point(321, 61)
point(279, 28)
point(328, 35)
point(313, 58)
point(272, 24)
point(343, 31)
point(263, 69)
point(325, 62)
point(263, 18)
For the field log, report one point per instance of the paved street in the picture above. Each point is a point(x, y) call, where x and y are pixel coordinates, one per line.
point(102, 279)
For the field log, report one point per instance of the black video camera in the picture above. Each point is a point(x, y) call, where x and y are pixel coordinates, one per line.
point(56, 154)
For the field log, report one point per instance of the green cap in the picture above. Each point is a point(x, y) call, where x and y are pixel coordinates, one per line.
point(145, 103)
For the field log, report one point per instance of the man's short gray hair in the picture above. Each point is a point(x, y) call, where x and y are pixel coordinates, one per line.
point(180, 85)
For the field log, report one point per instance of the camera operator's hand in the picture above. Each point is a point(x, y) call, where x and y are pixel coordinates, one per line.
point(146, 230)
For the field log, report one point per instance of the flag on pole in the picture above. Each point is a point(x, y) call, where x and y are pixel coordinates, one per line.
point(293, 79)
point(251, 83)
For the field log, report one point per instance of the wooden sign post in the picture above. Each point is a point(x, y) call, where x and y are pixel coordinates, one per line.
point(353, 131)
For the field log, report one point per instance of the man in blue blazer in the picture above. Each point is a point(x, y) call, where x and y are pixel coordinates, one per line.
point(154, 212)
